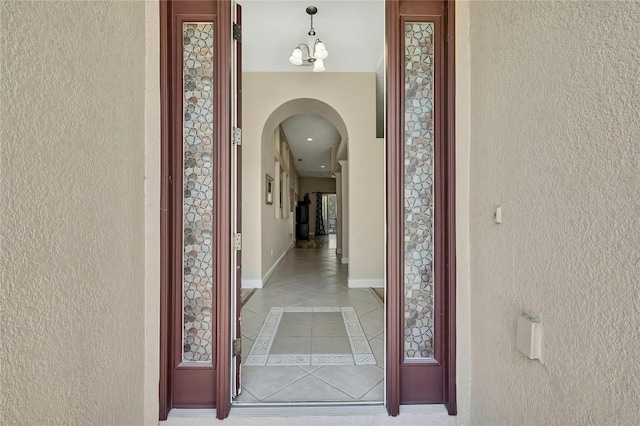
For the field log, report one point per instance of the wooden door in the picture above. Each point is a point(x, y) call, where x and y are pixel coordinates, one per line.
point(236, 118)
point(195, 216)
point(420, 204)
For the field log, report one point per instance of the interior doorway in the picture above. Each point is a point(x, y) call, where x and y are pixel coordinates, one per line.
point(330, 213)
point(307, 337)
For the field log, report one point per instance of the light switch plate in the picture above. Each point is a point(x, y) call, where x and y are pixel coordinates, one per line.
point(529, 337)
point(498, 215)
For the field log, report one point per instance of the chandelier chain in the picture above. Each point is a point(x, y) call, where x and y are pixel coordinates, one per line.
point(312, 32)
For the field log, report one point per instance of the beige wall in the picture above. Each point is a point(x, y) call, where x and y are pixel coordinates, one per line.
point(152, 214)
point(277, 232)
point(73, 212)
point(312, 186)
point(555, 142)
point(554, 147)
point(463, 148)
point(352, 95)
point(366, 214)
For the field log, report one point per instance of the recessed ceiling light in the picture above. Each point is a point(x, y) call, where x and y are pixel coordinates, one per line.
point(322, 167)
point(309, 139)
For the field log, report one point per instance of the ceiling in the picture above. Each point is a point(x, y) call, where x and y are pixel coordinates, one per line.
point(353, 32)
point(315, 154)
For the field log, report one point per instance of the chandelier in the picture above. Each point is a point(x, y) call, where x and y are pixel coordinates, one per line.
point(313, 52)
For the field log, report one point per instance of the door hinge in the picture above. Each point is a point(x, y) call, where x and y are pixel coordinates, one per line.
point(237, 241)
point(237, 136)
point(237, 32)
point(237, 347)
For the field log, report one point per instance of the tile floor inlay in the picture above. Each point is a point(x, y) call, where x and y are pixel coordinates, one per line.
point(308, 278)
point(336, 338)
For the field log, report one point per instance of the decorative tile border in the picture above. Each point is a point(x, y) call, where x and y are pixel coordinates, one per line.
point(361, 354)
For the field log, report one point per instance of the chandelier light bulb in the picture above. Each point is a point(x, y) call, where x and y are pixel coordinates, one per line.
point(318, 66)
point(320, 51)
point(296, 57)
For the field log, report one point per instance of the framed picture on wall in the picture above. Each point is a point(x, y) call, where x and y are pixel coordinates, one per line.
point(292, 201)
point(269, 189)
point(280, 194)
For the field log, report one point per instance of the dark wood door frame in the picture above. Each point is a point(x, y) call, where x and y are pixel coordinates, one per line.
point(223, 209)
point(178, 378)
point(445, 239)
point(410, 382)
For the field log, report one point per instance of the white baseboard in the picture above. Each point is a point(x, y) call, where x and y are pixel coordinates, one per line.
point(345, 260)
point(251, 283)
point(338, 251)
point(260, 283)
point(366, 283)
point(273, 268)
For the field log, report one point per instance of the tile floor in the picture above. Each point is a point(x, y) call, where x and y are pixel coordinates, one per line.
point(312, 278)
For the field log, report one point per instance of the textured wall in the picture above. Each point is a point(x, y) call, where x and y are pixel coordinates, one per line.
point(463, 276)
point(72, 211)
point(152, 213)
point(555, 140)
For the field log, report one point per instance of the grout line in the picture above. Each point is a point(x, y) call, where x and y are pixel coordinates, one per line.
point(245, 390)
point(370, 389)
point(287, 385)
point(334, 386)
point(245, 298)
point(379, 297)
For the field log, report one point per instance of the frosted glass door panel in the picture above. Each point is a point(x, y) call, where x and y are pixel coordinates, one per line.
point(418, 199)
point(197, 182)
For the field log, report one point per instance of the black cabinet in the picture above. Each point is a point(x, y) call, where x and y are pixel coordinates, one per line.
point(302, 231)
point(302, 220)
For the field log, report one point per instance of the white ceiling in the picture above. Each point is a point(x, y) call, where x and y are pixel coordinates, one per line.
point(315, 154)
point(353, 32)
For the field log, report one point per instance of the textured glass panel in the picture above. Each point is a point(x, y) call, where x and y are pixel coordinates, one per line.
point(418, 198)
point(198, 190)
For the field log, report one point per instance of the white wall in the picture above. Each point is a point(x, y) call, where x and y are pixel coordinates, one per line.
point(73, 212)
point(352, 95)
point(555, 142)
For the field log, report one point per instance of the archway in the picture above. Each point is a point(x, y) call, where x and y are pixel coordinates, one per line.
point(304, 329)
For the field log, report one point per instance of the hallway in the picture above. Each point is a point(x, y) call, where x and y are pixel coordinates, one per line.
point(307, 337)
